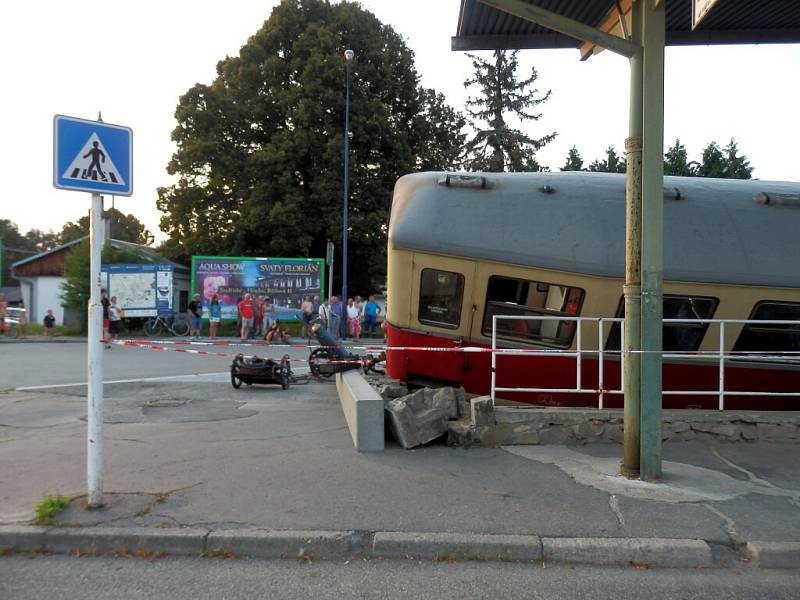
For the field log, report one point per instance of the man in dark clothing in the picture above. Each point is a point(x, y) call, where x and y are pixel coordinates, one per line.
point(195, 316)
point(106, 303)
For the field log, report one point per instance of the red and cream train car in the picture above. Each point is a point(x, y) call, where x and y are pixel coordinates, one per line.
point(463, 248)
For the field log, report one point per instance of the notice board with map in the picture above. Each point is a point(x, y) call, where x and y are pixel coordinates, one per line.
point(142, 290)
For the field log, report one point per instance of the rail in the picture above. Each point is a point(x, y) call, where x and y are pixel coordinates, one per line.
point(720, 356)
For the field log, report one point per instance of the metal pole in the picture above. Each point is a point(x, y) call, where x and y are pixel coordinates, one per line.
point(348, 55)
point(633, 249)
point(95, 359)
point(653, 34)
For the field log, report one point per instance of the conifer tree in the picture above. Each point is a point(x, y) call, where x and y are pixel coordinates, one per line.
point(574, 161)
point(497, 145)
point(612, 163)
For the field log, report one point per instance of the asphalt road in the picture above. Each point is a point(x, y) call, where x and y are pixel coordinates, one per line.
point(59, 577)
point(60, 363)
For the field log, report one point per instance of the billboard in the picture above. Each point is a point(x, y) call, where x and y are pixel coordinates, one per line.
point(284, 280)
point(142, 290)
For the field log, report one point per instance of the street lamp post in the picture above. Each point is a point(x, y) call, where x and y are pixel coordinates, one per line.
point(348, 56)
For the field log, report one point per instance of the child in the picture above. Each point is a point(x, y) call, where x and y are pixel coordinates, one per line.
point(49, 321)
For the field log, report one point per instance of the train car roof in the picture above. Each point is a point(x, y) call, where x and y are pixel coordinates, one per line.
point(715, 230)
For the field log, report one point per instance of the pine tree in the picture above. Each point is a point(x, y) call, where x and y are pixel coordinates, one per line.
point(738, 167)
point(612, 164)
point(676, 161)
point(498, 146)
point(574, 161)
point(713, 163)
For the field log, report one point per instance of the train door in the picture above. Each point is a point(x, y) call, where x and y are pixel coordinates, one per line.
point(441, 314)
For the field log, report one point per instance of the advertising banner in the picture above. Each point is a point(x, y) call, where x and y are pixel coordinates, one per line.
point(283, 280)
point(142, 290)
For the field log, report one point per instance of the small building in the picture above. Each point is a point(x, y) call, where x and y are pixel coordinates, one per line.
point(42, 275)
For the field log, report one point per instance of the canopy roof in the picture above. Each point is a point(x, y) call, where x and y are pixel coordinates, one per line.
point(482, 27)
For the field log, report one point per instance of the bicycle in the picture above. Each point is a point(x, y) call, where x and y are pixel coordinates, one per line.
point(177, 325)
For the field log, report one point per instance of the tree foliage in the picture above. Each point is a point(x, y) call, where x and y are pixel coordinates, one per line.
point(18, 246)
point(676, 161)
point(574, 161)
point(126, 228)
point(612, 163)
point(497, 146)
point(259, 153)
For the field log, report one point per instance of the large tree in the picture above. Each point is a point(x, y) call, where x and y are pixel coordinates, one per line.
point(724, 162)
point(497, 145)
point(126, 228)
point(17, 246)
point(259, 153)
point(676, 161)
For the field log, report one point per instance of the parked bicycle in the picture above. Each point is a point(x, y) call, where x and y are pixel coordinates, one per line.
point(176, 325)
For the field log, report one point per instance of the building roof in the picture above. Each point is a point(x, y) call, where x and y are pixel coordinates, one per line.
point(481, 27)
point(148, 254)
point(716, 232)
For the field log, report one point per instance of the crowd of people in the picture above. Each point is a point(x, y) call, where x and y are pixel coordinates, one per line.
point(257, 317)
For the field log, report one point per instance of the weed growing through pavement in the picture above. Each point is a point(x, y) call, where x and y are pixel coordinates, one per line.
point(49, 507)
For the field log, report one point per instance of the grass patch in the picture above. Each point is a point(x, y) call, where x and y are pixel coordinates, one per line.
point(49, 507)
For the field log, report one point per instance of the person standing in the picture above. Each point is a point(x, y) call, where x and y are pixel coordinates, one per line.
point(114, 318)
point(307, 308)
point(371, 310)
point(335, 318)
point(325, 313)
point(214, 315)
point(3, 313)
point(49, 321)
point(353, 319)
point(246, 313)
point(259, 304)
point(105, 304)
point(195, 312)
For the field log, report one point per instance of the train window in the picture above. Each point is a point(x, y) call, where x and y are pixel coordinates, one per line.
point(677, 337)
point(775, 337)
point(519, 297)
point(440, 296)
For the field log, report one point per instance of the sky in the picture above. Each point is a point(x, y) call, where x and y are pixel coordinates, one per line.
point(133, 60)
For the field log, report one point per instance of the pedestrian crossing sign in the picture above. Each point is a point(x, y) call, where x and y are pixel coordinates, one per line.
point(91, 156)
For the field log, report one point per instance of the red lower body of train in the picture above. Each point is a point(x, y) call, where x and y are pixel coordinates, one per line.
point(472, 370)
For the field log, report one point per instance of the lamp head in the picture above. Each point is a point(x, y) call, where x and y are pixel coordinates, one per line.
point(348, 55)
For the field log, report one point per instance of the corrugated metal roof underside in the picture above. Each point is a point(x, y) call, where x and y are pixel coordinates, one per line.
point(730, 21)
point(716, 234)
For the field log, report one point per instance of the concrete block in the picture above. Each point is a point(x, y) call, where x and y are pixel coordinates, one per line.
point(363, 411)
point(481, 411)
point(259, 543)
point(446, 399)
point(126, 540)
point(457, 546)
point(774, 555)
point(392, 390)
point(661, 552)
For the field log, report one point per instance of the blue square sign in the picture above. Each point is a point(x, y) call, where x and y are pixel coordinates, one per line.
point(90, 156)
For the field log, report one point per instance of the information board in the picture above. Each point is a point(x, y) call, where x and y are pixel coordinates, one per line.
point(283, 280)
point(141, 290)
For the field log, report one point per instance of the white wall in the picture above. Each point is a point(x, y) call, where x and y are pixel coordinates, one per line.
point(46, 294)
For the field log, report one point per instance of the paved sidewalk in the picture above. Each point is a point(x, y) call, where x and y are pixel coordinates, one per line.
point(199, 467)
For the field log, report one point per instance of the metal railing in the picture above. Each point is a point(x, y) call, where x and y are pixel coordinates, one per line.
point(720, 356)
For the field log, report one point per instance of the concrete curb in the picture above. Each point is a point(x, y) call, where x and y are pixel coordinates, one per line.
point(662, 552)
point(774, 555)
point(345, 545)
point(461, 546)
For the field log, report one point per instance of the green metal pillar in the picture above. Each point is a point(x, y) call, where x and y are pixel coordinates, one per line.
point(653, 33)
point(631, 363)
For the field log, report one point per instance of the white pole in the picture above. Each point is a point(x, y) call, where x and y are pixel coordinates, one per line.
point(95, 360)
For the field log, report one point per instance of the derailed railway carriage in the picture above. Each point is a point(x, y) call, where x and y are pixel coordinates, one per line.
point(463, 248)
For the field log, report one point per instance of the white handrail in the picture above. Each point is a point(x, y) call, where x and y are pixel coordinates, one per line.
point(720, 354)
